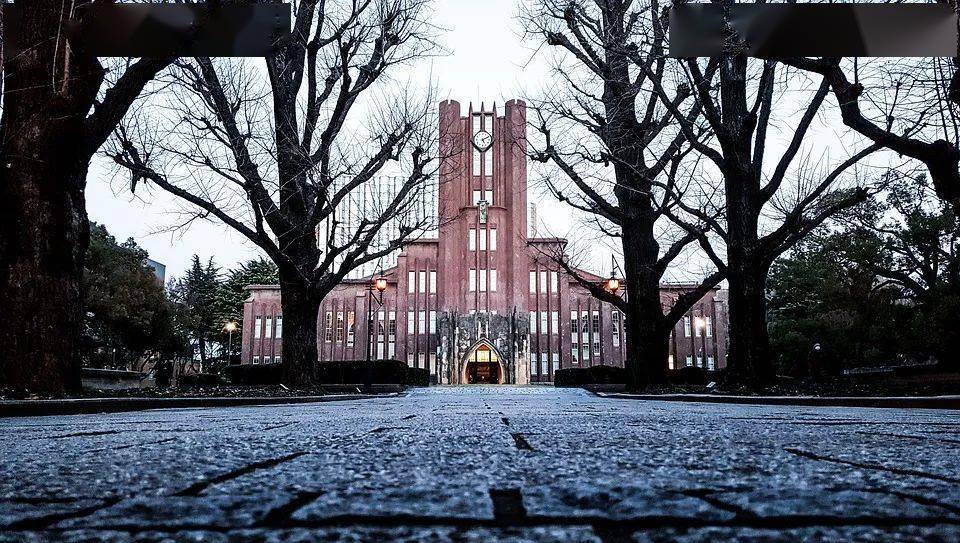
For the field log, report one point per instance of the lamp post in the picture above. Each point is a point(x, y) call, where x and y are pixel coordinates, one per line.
point(613, 283)
point(230, 327)
point(378, 286)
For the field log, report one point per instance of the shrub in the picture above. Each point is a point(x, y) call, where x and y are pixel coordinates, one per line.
point(195, 380)
point(255, 374)
point(594, 375)
point(690, 375)
point(418, 377)
point(345, 372)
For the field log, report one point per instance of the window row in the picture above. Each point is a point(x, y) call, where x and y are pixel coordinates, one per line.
point(482, 238)
point(582, 323)
point(344, 327)
point(486, 279)
point(264, 327)
point(697, 361)
point(538, 281)
point(266, 359)
point(421, 361)
point(544, 364)
point(419, 318)
point(581, 352)
point(417, 281)
point(538, 322)
point(702, 325)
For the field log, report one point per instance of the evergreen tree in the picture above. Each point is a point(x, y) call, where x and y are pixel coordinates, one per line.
point(127, 315)
point(198, 293)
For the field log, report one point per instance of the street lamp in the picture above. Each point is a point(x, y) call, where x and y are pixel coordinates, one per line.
point(378, 286)
point(613, 283)
point(229, 328)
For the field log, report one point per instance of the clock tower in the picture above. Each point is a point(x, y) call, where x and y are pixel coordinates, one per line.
point(483, 227)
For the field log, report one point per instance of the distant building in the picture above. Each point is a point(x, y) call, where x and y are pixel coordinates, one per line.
point(481, 302)
point(159, 270)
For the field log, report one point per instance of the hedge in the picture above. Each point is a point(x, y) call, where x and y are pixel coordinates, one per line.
point(349, 372)
point(594, 375)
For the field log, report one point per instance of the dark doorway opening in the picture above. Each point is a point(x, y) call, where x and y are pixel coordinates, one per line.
point(483, 373)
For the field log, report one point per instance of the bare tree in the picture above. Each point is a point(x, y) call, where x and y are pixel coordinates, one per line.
point(768, 208)
point(910, 116)
point(617, 148)
point(56, 114)
point(279, 157)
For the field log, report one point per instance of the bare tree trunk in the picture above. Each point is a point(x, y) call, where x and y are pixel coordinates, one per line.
point(299, 346)
point(749, 355)
point(43, 220)
point(646, 360)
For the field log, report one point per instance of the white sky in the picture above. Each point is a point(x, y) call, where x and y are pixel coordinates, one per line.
point(487, 60)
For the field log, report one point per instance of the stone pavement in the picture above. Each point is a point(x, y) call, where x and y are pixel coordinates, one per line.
point(484, 464)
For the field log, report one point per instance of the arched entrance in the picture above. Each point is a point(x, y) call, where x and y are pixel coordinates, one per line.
point(483, 366)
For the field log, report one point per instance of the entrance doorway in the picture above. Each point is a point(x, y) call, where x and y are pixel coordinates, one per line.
point(483, 366)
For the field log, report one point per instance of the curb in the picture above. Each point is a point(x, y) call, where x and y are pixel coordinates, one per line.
point(40, 408)
point(903, 402)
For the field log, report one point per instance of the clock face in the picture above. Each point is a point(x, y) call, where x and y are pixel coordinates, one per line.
point(482, 140)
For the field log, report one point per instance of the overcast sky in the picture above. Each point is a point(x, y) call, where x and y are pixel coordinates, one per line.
point(487, 60)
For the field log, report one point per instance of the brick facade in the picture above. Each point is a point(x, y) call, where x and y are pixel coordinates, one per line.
point(482, 294)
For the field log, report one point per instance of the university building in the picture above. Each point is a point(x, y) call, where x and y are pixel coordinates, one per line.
point(482, 302)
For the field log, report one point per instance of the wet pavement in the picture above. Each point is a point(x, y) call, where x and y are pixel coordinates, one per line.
point(484, 464)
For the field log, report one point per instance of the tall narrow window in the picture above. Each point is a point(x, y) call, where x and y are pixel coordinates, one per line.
point(256, 328)
point(483, 280)
point(533, 282)
point(493, 280)
point(483, 239)
point(351, 327)
point(476, 197)
point(433, 281)
point(574, 326)
point(328, 326)
point(433, 363)
point(533, 322)
point(488, 194)
point(689, 361)
point(392, 326)
point(340, 330)
point(615, 327)
point(279, 333)
point(710, 364)
point(596, 324)
point(421, 360)
point(433, 322)
point(381, 325)
point(575, 353)
point(533, 364)
point(472, 280)
point(410, 322)
point(544, 365)
point(543, 281)
point(269, 330)
point(411, 281)
point(543, 322)
point(686, 327)
point(410, 359)
point(554, 362)
point(422, 321)
point(554, 281)
point(493, 239)
point(473, 239)
point(709, 325)
point(555, 322)
point(423, 280)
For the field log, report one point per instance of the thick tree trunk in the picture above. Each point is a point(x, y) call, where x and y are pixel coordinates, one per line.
point(299, 345)
point(43, 241)
point(646, 360)
point(43, 220)
point(750, 363)
point(647, 349)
